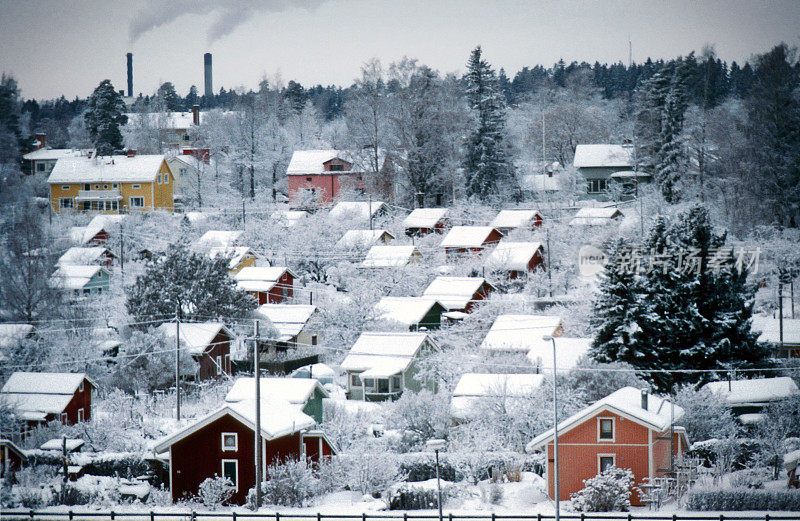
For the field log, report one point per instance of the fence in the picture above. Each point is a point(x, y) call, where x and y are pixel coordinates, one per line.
point(25, 515)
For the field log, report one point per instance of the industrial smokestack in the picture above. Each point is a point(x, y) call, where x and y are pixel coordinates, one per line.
point(130, 74)
point(209, 84)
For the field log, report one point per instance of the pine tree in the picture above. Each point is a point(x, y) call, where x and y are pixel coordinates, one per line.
point(192, 98)
point(688, 308)
point(168, 97)
point(486, 163)
point(104, 117)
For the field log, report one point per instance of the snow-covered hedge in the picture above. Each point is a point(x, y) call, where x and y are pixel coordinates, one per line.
point(458, 466)
point(123, 464)
point(414, 496)
point(743, 499)
point(609, 491)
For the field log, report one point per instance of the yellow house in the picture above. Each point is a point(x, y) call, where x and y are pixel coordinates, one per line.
point(111, 184)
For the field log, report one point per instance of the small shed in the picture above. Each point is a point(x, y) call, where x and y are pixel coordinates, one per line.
point(360, 211)
point(516, 259)
point(786, 343)
point(461, 240)
point(391, 256)
point(520, 333)
point(597, 216)
point(209, 344)
point(268, 285)
point(413, 312)
point(293, 323)
point(508, 220)
point(475, 391)
point(458, 293)
point(306, 393)
point(422, 221)
point(747, 398)
point(98, 231)
point(43, 397)
point(363, 239)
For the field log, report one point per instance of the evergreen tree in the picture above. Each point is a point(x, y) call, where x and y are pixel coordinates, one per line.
point(11, 142)
point(192, 98)
point(689, 308)
point(104, 117)
point(168, 97)
point(486, 163)
point(181, 279)
point(296, 95)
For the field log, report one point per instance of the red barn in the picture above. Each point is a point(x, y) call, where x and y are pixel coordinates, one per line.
point(516, 259)
point(11, 458)
point(226, 440)
point(461, 240)
point(209, 344)
point(628, 429)
point(43, 397)
point(268, 285)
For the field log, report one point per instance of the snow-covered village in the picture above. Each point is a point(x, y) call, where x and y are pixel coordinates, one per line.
point(343, 260)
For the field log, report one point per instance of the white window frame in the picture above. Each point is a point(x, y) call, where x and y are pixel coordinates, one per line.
point(64, 418)
point(40, 167)
point(235, 439)
point(166, 179)
point(114, 185)
point(222, 471)
point(80, 387)
point(136, 206)
point(81, 416)
point(105, 187)
point(613, 437)
point(355, 380)
point(600, 459)
point(97, 187)
point(158, 179)
point(219, 365)
point(596, 181)
point(63, 206)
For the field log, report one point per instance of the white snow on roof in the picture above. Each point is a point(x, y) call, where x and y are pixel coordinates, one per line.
point(288, 217)
point(355, 210)
point(305, 162)
point(628, 401)
point(376, 349)
point(75, 277)
point(43, 383)
point(12, 334)
point(58, 444)
point(49, 154)
point(294, 390)
point(82, 256)
point(405, 310)
point(518, 332)
point(425, 217)
point(514, 218)
point(288, 319)
point(236, 254)
point(113, 169)
point(467, 236)
point(196, 336)
point(265, 273)
point(596, 216)
point(454, 293)
point(756, 390)
point(356, 239)
point(164, 120)
point(568, 351)
point(387, 367)
point(513, 255)
point(218, 239)
point(474, 384)
point(389, 256)
point(603, 156)
point(39, 404)
point(769, 329)
point(791, 459)
point(540, 183)
point(84, 234)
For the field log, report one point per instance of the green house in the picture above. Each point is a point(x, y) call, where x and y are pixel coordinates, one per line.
point(306, 393)
point(81, 281)
point(416, 313)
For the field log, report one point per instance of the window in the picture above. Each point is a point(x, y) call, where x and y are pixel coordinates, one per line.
point(336, 168)
point(80, 415)
point(114, 185)
point(166, 179)
point(597, 186)
point(182, 171)
point(186, 137)
point(369, 382)
point(136, 186)
point(64, 418)
point(230, 470)
point(396, 384)
point(230, 441)
point(136, 202)
point(308, 179)
point(65, 187)
point(66, 202)
point(97, 187)
point(87, 187)
point(605, 429)
point(40, 167)
point(105, 187)
point(355, 381)
point(313, 340)
point(604, 461)
point(80, 388)
point(219, 365)
point(158, 179)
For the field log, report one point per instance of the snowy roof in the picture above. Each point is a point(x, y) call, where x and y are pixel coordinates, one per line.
point(41, 393)
point(769, 329)
point(347, 210)
point(388, 256)
point(236, 254)
point(513, 255)
point(294, 390)
point(83, 256)
point(595, 216)
point(288, 217)
point(288, 319)
point(474, 384)
point(278, 418)
point(540, 183)
point(197, 336)
point(629, 174)
point(75, 277)
point(377, 349)
point(519, 332)
point(362, 238)
point(266, 273)
point(84, 234)
point(425, 217)
point(627, 402)
point(467, 236)
point(49, 154)
point(58, 444)
point(13, 334)
point(754, 391)
point(454, 293)
point(791, 459)
point(218, 239)
point(165, 120)
point(603, 156)
point(515, 218)
point(569, 351)
point(113, 169)
point(305, 162)
point(408, 311)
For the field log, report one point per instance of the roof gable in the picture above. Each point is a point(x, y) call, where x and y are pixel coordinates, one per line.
point(197, 336)
point(425, 217)
point(110, 169)
point(603, 155)
point(469, 236)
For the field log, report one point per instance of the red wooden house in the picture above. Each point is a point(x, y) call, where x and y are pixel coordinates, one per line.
point(268, 285)
point(79, 256)
point(209, 344)
point(11, 457)
point(507, 220)
point(423, 221)
point(628, 429)
point(43, 397)
point(226, 440)
point(516, 259)
point(461, 240)
point(458, 293)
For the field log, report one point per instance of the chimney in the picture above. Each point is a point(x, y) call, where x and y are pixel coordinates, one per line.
point(122, 92)
point(131, 152)
point(644, 399)
point(40, 140)
point(196, 115)
point(130, 74)
point(209, 84)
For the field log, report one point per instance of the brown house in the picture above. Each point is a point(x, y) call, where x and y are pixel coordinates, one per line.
point(458, 293)
point(43, 397)
point(226, 440)
point(209, 344)
point(268, 285)
point(516, 259)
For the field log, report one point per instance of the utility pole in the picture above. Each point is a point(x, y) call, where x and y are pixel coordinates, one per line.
point(370, 212)
point(780, 311)
point(121, 248)
point(257, 377)
point(549, 266)
point(544, 166)
point(178, 362)
point(65, 467)
point(243, 215)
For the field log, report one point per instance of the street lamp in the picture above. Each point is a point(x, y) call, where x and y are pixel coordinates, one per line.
point(437, 445)
point(548, 338)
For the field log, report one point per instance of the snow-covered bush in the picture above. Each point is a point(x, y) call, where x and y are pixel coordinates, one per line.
point(609, 491)
point(706, 414)
point(749, 478)
point(410, 496)
point(33, 486)
point(419, 416)
point(215, 491)
point(367, 468)
point(492, 493)
point(290, 483)
point(743, 499)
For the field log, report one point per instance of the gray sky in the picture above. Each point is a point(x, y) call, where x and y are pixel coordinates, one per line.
point(56, 47)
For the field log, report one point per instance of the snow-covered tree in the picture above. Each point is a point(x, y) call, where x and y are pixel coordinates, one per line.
point(609, 491)
point(104, 117)
point(706, 415)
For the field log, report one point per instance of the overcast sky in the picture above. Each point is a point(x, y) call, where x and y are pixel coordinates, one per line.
point(55, 47)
